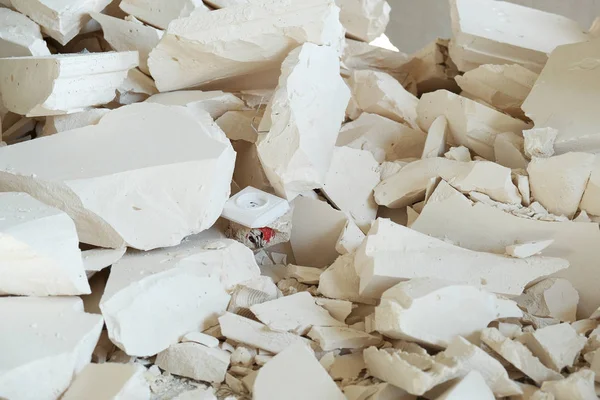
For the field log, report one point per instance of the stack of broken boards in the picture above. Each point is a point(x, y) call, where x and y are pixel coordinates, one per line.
point(444, 238)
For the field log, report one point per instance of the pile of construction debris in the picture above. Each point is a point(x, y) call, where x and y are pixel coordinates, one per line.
point(401, 227)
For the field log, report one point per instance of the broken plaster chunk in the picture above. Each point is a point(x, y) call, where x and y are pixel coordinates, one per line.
point(136, 88)
point(471, 124)
point(349, 184)
point(167, 202)
point(254, 208)
point(339, 309)
point(196, 361)
point(340, 281)
point(60, 123)
point(558, 182)
point(61, 20)
point(348, 366)
point(393, 253)
point(204, 39)
point(48, 337)
point(350, 238)
point(508, 151)
point(240, 125)
point(359, 55)
point(471, 386)
point(589, 202)
point(201, 338)
point(20, 36)
point(334, 337)
point(435, 145)
point(109, 381)
point(278, 379)
point(39, 253)
point(364, 20)
point(571, 72)
point(303, 121)
point(518, 355)
point(296, 313)
point(214, 102)
point(62, 83)
point(539, 142)
point(460, 153)
point(98, 259)
point(386, 139)
point(524, 250)
point(192, 279)
point(161, 14)
point(504, 87)
point(557, 346)
point(197, 394)
point(428, 311)
point(308, 275)
point(577, 386)
point(379, 93)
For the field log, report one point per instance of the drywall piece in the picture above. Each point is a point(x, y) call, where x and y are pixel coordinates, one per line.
point(255, 334)
point(414, 373)
point(167, 201)
point(109, 381)
point(349, 184)
point(201, 338)
point(350, 238)
point(144, 288)
point(97, 259)
point(340, 281)
point(296, 313)
point(569, 73)
point(505, 87)
point(61, 20)
point(67, 122)
point(508, 151)
point(557, 346)
point(48, 337)
point(589, 201)
point(240, 125)
point(487, 32)
point(428, 311)
point(20, 36)
point(435, 145)
point(196, 361)
point(518, 355)
point(64, 83)
point(472, 386)
point(409, 185)
point(460, 153)
point(364, 20)
point(491, 229)
point(303, 121)
point(393, 253)
point(278, 379)
point(558, 182)
point(379, 93)
point(577, 386)
point(40, 250)
point(333, 338)
point(316, 227)
point(524, 250)
point(204, 39)
point(386, 139)
point(161, 14)
point(359, 55)
point(471, 124)
point(125, 35)
point(254, 208)
point(214, 102)
point(539, 142)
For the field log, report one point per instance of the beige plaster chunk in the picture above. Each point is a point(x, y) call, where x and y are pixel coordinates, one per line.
point(240, 124)
point(309, 275)
point(590, 202)
point(518, 355)
point(255, 334)
point(460, 153)
point(97, 259)
point(214, 102)
point(63, 83)
point(228, 50)
point(50, 338)
point(491, 230)
point(435, 145)
point(334, 337)
point(303, 121)
point(160, 208)
point(571, 72)
point(316, 227)
point(348, 366)
point(359, 55)
point(539, 142)
point(339, 309)
point(39, 249)
point(350, 238)
point(60, 123)
point(136, 88)
point(557, 346)
point(524, 250)
point(193, 360)
point(505, 87)
point(488, 32)
point(386, 139)
point(428, 311)
point(509, 152)
point(470, 386)
point(379, 93)
point(200, 338)
point(364, 20)
point(296, 313)
point(577, 386)
point(349, 184)
point(20, 36)
point(471, 124)
point(161, 14)
point(61, 20)
point(558, 182)
point(278, 379)
point(393, 253)
point(109, 381)
point(340, 281)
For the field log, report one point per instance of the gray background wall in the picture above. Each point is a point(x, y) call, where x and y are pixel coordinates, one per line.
point(414, 23)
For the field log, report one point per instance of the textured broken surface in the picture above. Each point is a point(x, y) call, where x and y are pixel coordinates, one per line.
point(557, 346)
point(20, 36)
point(195, 361)
point(552, 297)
